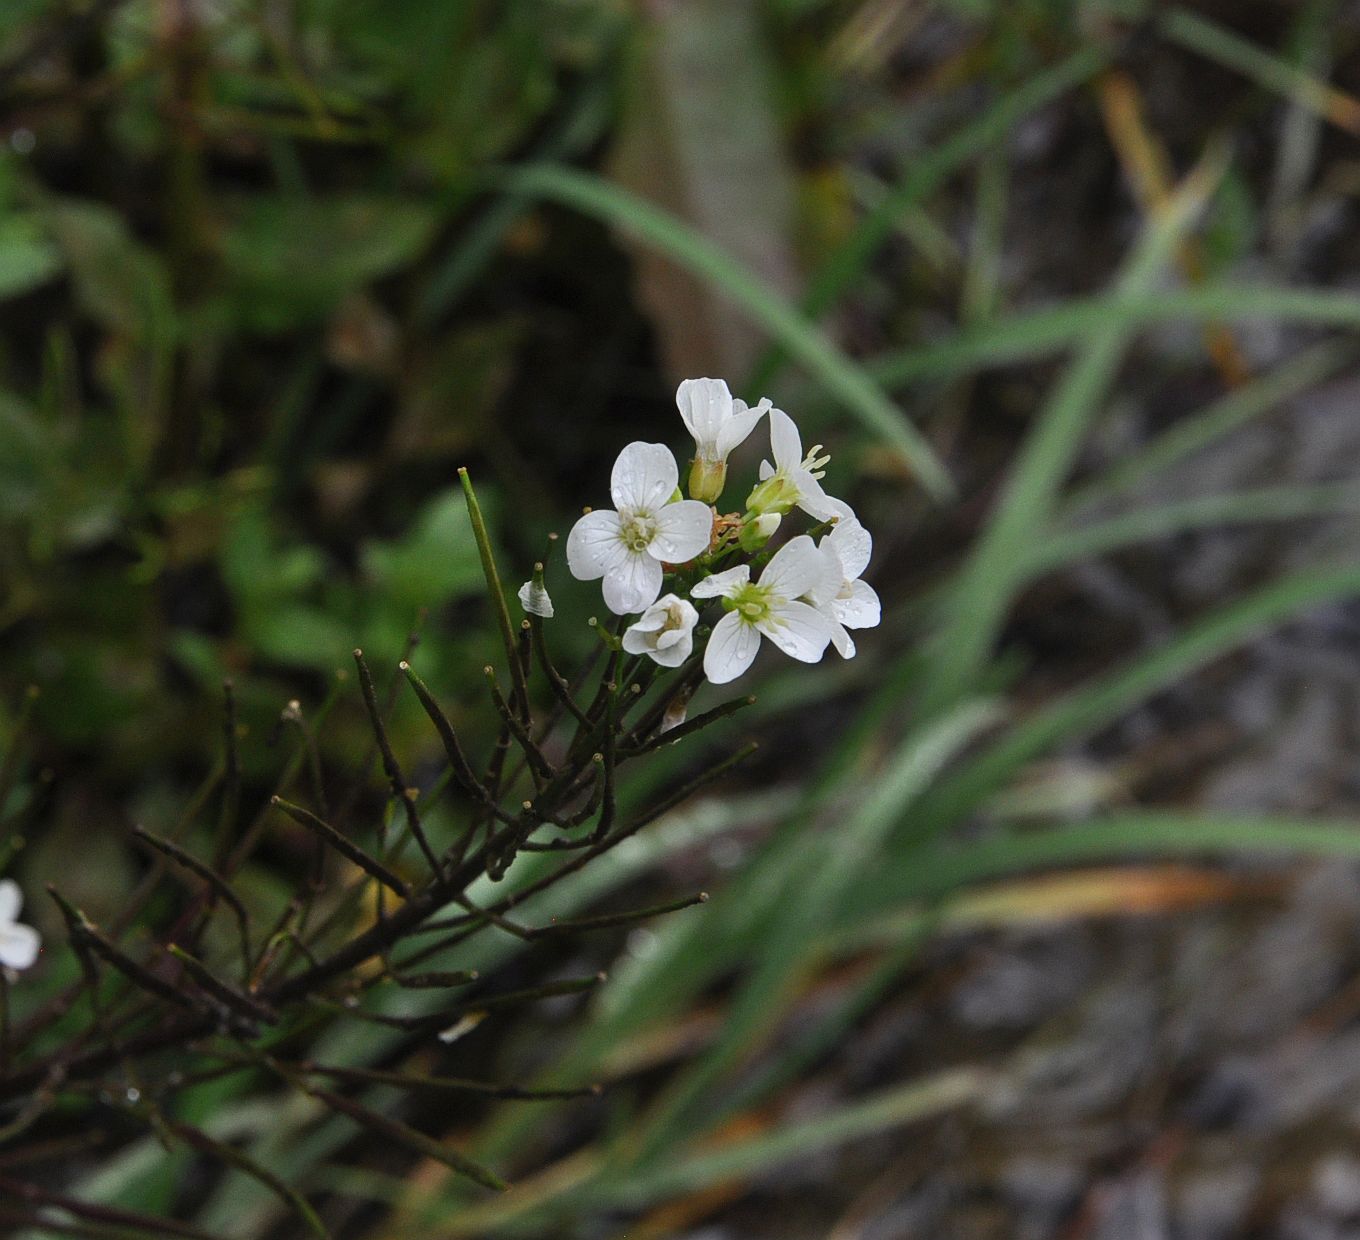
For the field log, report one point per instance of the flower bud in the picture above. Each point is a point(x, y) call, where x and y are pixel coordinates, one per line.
point(775, 496)
point(706, 479)
point(758, 530)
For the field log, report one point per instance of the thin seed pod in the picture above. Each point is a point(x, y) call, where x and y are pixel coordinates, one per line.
point(292, 713)
point(246, 1005)
point(132, 1223)
point(231, 780)
point(608, 920)
point(608, 801)
point(391, 767)
point(698, 723)
point(352, 852)
point(512, 998)
point(538, 764)
point(253, 833)
point(493, 584)
point(458, 763)
point(495, 919)
point(210, 876)
point(234, 1157)
point(451, 1084)
point(435, 981)
point(409, 1137)
point(525, 648)
point(556, 681)
point(86, 935)
point(665, 805)
point(684, 684)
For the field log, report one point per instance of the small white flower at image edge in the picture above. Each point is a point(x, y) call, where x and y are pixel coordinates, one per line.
point(628, 547)
point(665, 633)
point(771, 607)
point(719, 423)
point(534, 598)
point(843, 599)
point(19, 944)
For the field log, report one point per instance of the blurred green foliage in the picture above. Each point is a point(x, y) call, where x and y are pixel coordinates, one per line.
point(270, 272)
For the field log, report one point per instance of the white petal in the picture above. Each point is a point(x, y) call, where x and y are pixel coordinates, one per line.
point(535, 600)
point(828, 585)
point(785, 442)
point(683, 530)
point(853, 545)
point(644, 477)
point(841, 509)
point(633, 585)
point(728, 582)
point(731, 649)
point(704, 405)
point(766, 471)
point(800, 631)
point(653, 620)
point(595, 546)
point(796, 568)
point(812, 499)
point(861, 610)
point(739, 425)
point(674, 647)
point(844, 643)
point(19, 946)
point(11, 900)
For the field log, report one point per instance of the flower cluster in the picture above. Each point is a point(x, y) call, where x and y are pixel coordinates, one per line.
point(803, 596)
point(19, 943)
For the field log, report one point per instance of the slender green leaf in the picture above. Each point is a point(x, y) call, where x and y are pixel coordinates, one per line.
point(1282, 503)
point(1198, 430)
point(843, 378)
point(975, 608)
point(1038, 333)
point(828, 867)
point(1097, 704)
point(1227, 48)
point(927, 172)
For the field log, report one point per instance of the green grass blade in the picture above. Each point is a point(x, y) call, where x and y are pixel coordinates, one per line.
point(1022, 336)
point(926, 174)
point(1282, 503)
point(845, 379)
point(1142, 834)
point(1222, 417)
point(742, 1159)
point(977, 604)
point(1096, 705)
point(1231, 50)
point(830, 864)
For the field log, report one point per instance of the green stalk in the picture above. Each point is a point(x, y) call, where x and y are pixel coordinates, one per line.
point(493, 583)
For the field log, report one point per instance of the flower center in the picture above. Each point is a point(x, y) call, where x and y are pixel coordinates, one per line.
point(636, 530)
point(751, 602)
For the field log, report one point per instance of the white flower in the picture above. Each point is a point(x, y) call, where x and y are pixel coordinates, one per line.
point(666, 631)
point(793, 479)
point(534, 598)
point(718, 422)
point(844, 600)
point(628, 547)
point(18, 944)
point(771, 607)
